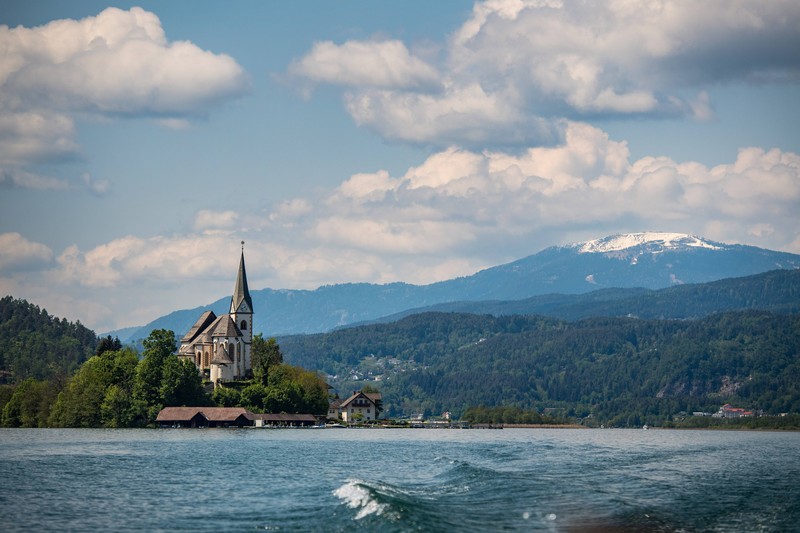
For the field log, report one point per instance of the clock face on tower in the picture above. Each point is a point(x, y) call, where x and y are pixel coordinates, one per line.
point(243, 308)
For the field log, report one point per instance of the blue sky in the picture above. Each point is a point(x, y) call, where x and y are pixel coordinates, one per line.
point(418, 141)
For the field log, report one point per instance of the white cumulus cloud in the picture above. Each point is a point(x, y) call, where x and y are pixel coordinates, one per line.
point(385, 64)
point(459, 203)
point(115, 64)
point(516, 68)
point(118, 62)
point(18, 253)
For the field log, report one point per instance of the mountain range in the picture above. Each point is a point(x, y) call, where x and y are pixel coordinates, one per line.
point(651, 260)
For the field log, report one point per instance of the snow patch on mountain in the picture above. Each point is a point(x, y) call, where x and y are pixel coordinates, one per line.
point(659, 240)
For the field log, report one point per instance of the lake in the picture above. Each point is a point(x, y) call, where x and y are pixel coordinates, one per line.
point(399, 480)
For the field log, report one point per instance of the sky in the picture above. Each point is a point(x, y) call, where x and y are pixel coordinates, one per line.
point(414, 141)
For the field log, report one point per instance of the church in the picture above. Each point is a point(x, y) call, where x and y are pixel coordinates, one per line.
point(219, 346)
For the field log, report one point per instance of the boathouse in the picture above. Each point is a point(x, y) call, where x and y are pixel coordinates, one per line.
point(209, 417)
point(284, 420)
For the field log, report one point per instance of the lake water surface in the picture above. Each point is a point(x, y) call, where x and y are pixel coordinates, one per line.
point(398, 480)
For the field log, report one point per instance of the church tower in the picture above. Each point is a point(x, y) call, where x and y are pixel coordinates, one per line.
point(220, 346)
point(241, 311)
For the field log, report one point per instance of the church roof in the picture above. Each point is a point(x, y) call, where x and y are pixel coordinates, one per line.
point(222, 357)
point(240, 291)
point(224, 326)
point(202, 323)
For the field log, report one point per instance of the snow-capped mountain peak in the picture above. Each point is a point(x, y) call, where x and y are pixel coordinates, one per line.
point(657, 240)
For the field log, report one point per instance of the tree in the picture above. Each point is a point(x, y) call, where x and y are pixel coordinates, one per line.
point(118, 409)
point(101, 393)
point(226, 397)
point(181, 384)
point(296, 390)
point(265, 354)
point(253, 396)
point(158, 346)
point(78, 405)
point(107, 344)
point(29, 406)
point(286, 397)
point(164, 380)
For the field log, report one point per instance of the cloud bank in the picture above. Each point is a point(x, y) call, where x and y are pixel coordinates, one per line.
point(456, 212)
point(516, 68)
point(116, 64)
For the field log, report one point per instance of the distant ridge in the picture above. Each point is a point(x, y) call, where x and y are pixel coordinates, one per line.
point(777, 291)
point(649, 260)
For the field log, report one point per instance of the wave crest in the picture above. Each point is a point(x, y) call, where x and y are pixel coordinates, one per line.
point(356, 494)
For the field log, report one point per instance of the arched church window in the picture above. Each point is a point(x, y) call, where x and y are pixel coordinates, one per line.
point(244, 325)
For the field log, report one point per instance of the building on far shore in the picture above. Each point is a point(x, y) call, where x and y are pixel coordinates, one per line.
point(729, 411)
point(210, 417)
point(361, 406)
point(220, 346)
point(225, 417)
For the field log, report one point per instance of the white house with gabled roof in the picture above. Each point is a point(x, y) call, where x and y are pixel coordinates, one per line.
point(360, 406)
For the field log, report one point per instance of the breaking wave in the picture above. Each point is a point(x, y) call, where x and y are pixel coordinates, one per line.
point(357, 494)
point(441, 502)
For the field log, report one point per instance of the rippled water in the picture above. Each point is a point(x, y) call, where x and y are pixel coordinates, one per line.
point(399, 480)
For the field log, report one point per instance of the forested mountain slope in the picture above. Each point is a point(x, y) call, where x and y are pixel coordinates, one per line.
point(777, 291)
point(36, 344)
point(616, 369)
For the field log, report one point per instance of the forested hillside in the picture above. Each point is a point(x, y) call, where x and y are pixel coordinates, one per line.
point(618, 370)
point(36, 344)
point(776, 291)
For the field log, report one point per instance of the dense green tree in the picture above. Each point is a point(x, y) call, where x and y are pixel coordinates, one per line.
point(253, 397)
point(285, 397)
point(164, 380)
point(119, 410)
point(122, 364)
point(296, 390)
point(107, 344)
point(6, 392)
point(181, 384)
point(30, 404)
point(226, 397)
point(79, 404)
point(158, 347)
point(100, 393)
point(264, 354)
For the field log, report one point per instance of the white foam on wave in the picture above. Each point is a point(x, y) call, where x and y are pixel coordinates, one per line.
point(355, 496)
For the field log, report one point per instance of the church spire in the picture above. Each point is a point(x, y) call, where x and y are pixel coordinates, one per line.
point(240, 291)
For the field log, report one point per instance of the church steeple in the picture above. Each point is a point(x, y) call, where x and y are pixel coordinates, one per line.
point(241, 301)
